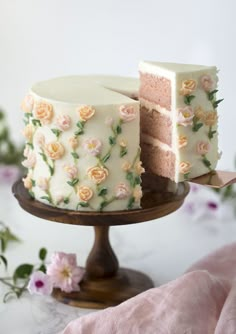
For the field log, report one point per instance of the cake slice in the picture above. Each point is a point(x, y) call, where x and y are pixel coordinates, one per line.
point(179, 137)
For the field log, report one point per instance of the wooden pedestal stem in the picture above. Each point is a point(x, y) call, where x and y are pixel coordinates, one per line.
point(102, 261)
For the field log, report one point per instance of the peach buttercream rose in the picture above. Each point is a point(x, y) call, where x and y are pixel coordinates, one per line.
point(183, 141)
point(138, 168)
point(97, 174)
point(188, 86)
point(43, 183)
point(137, 193)
point(123, 143)
point(28, 131)
point(211, 118)
point(207, 83)
point(27, 104)
point(71, 171)
point(86, 112)
point(54, 150)
point(43, 112)
point(127, 113)
point(126, 166)
point(27, 182)
point(73, 142)
point(30, 161)
point(39, 139)
point(122, 191)
point(200, 113)
point(203, 147)
point(85, 193)
point(63, 122)
point(184, 167)
point(185, 116)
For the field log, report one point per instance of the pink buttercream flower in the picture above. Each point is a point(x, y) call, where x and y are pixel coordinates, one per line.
point(109, 121)
point(64, 272)
point(30, 161)
point(27, 151)
point(71, 171)
point(39, 139)
point(127, 113)
point(43, 183)
point(40, 284)
point(59, 198)
point(63, 122)
point(27, 104)
point(122, 191)
point(203, 147)
point(207, 83)
point(92, 146)
point(185, 116)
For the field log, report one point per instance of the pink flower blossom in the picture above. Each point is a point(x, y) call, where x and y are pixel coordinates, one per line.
point(40, 284)
point(71, 171)
point(39, 139)
point(92, 146)
point(122, 191)
point(30, 161)
point(59, 198)
point(127, 113)
point(207, 83)
point(64, 272)
point(185, 116)
point(203, 147)
point(63, 122)
point(43, 183)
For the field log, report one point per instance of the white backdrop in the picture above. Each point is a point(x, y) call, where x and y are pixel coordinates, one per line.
point(40, 39)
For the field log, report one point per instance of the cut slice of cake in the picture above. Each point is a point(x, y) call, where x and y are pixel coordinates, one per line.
point(179, 137)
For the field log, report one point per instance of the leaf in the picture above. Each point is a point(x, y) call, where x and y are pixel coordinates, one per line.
point(129, 176)
point(83, 204)
point(51, 169)
point(66, 200)
point(112, 140)
point(103, 205)
point(43, 155)
point(197, 126)
point(28, 115)
point(42, 254)
point(79, 132)
point(137, 180)
point(30, 145)
point(188, 99)
point(56, 132)
point(206, 162)
point(73, 182)
point(31, 193)
point(33, 182)
point(118, 129)
point(47, 198)
point(36, 122)
point(4, 260)
point(106, 157)
point(216, 103)
point(123, 151)
point(23, 271)
point(211, 134)
point(75, 155)
point(130, 203)
point(42, 268)
point(80, 125)
point(8, 294)
point(102, 192)
point(211, 94)
point(186, 176)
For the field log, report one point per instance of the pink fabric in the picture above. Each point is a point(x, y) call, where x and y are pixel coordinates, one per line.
point(203, 301)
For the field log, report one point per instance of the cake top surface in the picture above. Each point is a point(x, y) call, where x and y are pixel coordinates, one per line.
point(172, 68)
point(92, 89)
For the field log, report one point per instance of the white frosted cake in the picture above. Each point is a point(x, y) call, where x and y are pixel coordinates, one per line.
point(179, 138)
point(82, 143)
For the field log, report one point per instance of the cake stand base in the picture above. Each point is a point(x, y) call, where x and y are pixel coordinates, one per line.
point(104, 292)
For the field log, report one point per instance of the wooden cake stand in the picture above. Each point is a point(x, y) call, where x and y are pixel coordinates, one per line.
point(104, 283)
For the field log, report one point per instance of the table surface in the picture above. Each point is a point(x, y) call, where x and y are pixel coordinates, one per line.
point(162, 248)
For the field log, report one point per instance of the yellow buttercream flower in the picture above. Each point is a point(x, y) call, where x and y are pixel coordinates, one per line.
point(54, 150)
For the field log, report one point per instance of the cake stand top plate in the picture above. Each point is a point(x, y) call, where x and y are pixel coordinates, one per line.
point(160, 198)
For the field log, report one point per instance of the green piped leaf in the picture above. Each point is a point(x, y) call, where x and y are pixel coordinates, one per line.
point(31, 193)
point(216, 103)
point(188, 99)
point(36, 122)
point(73, 182)
point(79, 132)
point(75, 155)
point(206, 162)
point(186, 176)
point(137, 180)
point(47, 198)
point(103, 205)
point(112, 140)
point(56, 132)
point(106, 157)
point(123, 151)
point(83, 204)
point(30, 145)
point(66, 200)
point(211, 95)
point(43, 155)
point(51, 169)
point(80, 125)
point(33, 182)
point(211, 134)
point(130, 203)
point(28, 115)
point(118, 129)
point(102, 192)
point(197, 126)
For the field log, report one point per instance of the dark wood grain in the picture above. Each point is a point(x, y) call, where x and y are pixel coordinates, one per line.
point(160, 198)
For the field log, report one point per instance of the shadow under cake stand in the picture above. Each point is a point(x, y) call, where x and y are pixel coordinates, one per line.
point(104, 283)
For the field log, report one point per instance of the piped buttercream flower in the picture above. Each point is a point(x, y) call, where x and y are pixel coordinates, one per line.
point(203, 147)
point(30, 161)
point(63, 122)
point(138, 168)
point(97, 174)
point(43, 183)
point(137, 193)
point(210, 118)
point(123, 143)
point(43, 112)
point(185, 116)
point(27, 181)
point(92, 146)
point(86, 112)
point(40, 284)
point(184, 167)
point(54, 150)
point(28, 131)
point(126, 166)
point(85, 193)
point(200, 114)
point(73, 142)
point(64, 272)
point(122, 191)
point(127, 113)
point(207, 83)
point(39, 139)
point(71, 171)
point(183, 141)
point(27, 104)
point(188, 86)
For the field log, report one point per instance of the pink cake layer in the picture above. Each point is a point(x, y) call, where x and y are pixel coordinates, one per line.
point(158, 161)
point(155, 89)
point(156, 125)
